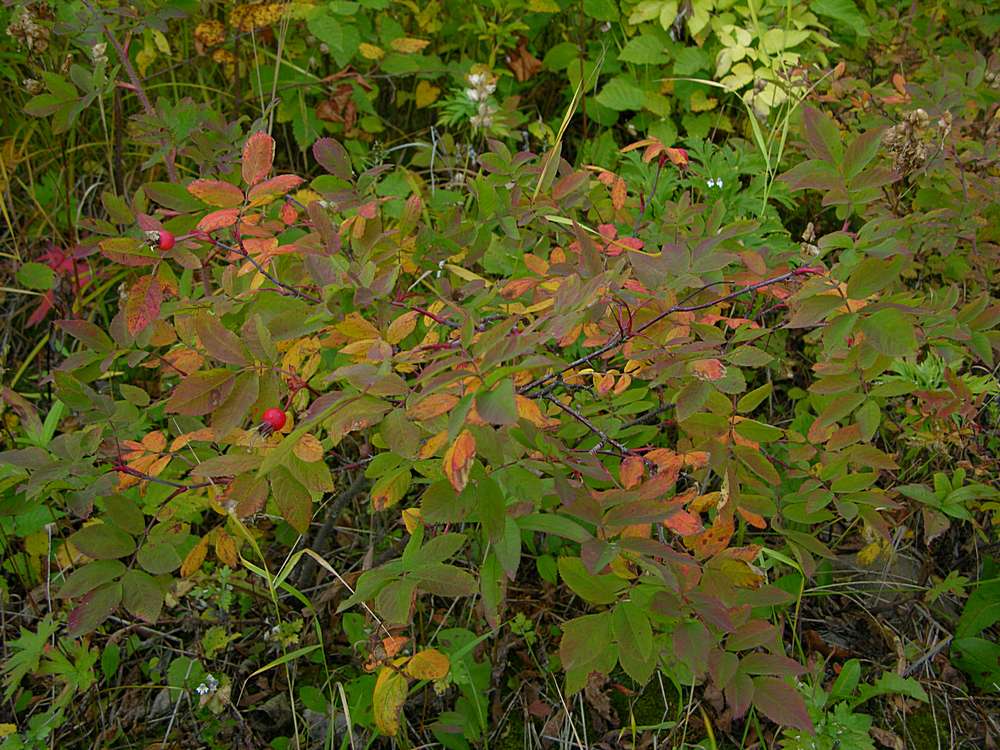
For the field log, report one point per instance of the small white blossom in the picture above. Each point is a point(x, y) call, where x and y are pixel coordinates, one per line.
point(473, 94)
point(209, 685)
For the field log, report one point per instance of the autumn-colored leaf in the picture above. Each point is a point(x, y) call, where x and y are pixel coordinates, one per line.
point(225, 549)
point(142, 306)
point(433, 406)
point(708, 369)
point(258, 155)
point(458, 460)
point(216, 193)
point(194, 558)
point(388, 698)
point(715, 538)
point(631, 471)
point(684, 523)
point(408, 45)
point(224, 217)
point(425, 94)
point(619, 192)
point(429, 664)
point(267, 191)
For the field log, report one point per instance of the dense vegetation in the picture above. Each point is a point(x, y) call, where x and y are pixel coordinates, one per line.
point(524, 373)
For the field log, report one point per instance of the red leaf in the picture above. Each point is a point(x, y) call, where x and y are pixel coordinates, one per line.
point(224, 217)
point(258, 155)
point(142, 306)
point(216, 193)
point(781, 703)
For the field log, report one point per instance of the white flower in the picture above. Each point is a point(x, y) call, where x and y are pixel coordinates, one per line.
point(473, 94)
point(477, 79)
point(210, 685)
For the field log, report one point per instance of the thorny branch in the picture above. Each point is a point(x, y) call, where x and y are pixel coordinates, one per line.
point(620, 339)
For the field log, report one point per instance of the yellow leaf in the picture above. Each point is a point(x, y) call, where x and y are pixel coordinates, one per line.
point(6, 730)
point(225, 549)
point(543, 6)
point(429, 664)
point(433, 445)
point(408, 45)
point(458, 460)
point(530, 410)
point(388, 699)
point(433, 406)
point(356, 328)
point(309, 449)
point(426, 94)
point(195, 558)
point(402, 326)
point(370, 51)
point(411, 519)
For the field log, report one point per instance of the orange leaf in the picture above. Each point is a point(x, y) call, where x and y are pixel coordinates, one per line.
point(631, 471)
point(754, 519)
point(393, 644)
point(708, 369)
point(433, 406)
point(258, 155)
point(714, 539)
point(224, 217)
point(618, 194)
point(458, 460)
point(684, 523)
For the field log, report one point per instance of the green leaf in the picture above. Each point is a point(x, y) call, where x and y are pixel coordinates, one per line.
point(980, 659)
point(492, 504)
point(201, 392)
point(645, 49)
point(601, 10)
point(89, 577)
point(844, 11)
point(159, 558)
point(293, 499)
point(143, 596)
point(622, 93)
point(498, 406)
point(103, 541)
point(595, 589)
point(220, 343)
point(33, 275)
point(444, 580)
point(890, 332)
point(631, 628)
point(752, 400)
point(981, 611)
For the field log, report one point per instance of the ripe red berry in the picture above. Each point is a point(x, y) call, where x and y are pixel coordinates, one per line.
point(274, 418)
point(165, 240)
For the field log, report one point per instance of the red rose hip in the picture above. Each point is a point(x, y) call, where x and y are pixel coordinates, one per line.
point(166, 240)
point(274, 419)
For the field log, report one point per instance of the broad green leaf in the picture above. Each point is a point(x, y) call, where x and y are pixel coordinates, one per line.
point(103, 541)
point(595, 589)
point(89, 577)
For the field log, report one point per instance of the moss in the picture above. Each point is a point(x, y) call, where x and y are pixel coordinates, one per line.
point(512, 736)
point(922, 732)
